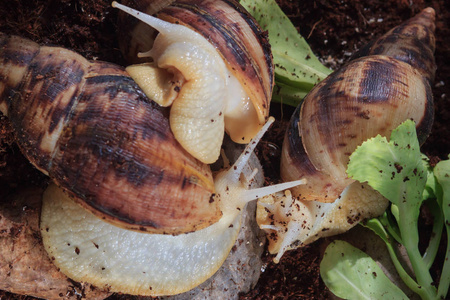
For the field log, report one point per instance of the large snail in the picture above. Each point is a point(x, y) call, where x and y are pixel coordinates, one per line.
point(210, 62)
point(131, 210)
point(387, 82)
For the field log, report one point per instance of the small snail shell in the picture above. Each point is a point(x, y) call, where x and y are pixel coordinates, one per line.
point(92, 130)
point(387, 83)
point(215, 72)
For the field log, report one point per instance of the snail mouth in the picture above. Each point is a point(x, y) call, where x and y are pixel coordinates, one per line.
point(161, 85)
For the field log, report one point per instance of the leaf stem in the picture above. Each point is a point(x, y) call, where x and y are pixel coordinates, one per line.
point(445, 275)
point(410, 238)
point(378, 227)
point(436, 233)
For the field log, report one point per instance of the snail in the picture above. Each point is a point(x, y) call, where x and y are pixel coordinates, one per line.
point(89, 250)
point(210, 62)
point(130, 210)
point(386, 83)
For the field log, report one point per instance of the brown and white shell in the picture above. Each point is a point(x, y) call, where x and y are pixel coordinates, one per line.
point(94, 132)
point(387, 83)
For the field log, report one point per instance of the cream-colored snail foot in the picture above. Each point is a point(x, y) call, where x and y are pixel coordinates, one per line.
point(87, 249)
point(208, 92)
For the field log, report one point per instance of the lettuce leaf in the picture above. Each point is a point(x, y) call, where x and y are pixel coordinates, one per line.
point(397, 170)
point(351, 274)
point(297, 69)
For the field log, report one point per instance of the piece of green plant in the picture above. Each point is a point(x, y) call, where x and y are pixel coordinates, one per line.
point(398, 170)
point(351, 274)
point(297, 69)
point(442, 174)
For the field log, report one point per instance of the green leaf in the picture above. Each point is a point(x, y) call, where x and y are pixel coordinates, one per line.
point(430, 186)
point(296, 66)
point(395, 168)
point(442, 173)
point(379, 226)
point(351, 274)
point(397, 171)
point(286, 94)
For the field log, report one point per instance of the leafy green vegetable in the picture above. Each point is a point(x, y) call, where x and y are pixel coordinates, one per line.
point(442, 173)
point(351, 274)
point(395, 168)
point(398, 171)
point(297, 69)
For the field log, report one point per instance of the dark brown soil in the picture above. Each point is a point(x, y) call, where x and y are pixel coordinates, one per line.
point(334, 29)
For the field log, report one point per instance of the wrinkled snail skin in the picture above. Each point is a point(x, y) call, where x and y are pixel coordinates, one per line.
point(92, 130)
point(386, 83)
point(245, 51)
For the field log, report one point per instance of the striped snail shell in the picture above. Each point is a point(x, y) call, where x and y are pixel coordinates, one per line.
point(210, 62)
point(386, 83)
point(88, 126)
point(370, 95)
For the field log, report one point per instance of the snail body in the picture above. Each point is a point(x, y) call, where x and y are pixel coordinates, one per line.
point(91, 129)
point(218, 73)
point(386, 83)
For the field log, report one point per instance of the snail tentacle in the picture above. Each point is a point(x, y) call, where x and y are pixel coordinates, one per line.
point(233, 190)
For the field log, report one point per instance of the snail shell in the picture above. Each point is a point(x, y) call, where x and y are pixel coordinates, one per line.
point(89, 127)
point(370, 95)
point(215, 72)
point(385, 84)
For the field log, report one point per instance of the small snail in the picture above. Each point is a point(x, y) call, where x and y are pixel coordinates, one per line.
point(386, 83)
point(210, 62)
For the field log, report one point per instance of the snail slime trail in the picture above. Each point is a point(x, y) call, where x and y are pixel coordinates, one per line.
point(200, 81)
point(87, 249)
